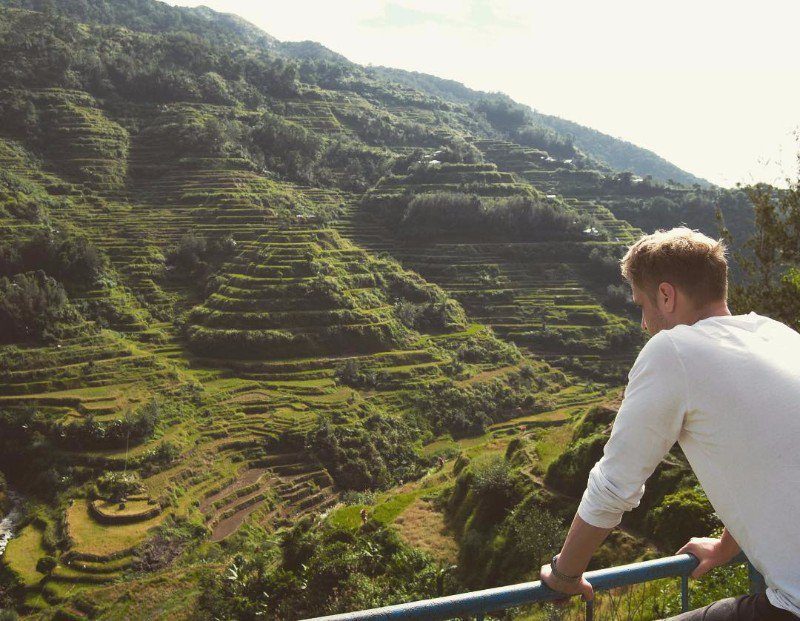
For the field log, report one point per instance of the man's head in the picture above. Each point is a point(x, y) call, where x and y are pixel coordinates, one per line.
point(677, 277)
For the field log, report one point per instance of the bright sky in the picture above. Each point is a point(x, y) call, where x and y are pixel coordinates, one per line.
point(712, 86)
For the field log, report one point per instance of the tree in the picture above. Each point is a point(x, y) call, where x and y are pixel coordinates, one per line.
point(503, 113)
point(533, 535)
point(12, 592)
point(545, 138)
point(32, 307)
point(116, 486)
point(770, 260)
point(46, 565)
point(214, 88)
point(286, 147)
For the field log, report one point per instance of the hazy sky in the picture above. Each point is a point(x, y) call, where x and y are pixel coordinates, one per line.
point(713, 86)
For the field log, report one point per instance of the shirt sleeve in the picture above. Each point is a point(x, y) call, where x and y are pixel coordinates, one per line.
point(647, 424)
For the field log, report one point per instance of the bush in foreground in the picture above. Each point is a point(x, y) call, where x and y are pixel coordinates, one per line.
point(319, 569)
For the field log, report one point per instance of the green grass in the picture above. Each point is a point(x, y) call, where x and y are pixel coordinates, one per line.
point(550, 443)
point(93, 538)
point(22, 554)
point(387, 511)
point(347, 517)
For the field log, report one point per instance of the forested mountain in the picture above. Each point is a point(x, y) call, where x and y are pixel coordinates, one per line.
point(147, 16)
point(284, 335)
point(617, 154)
point(152, 17)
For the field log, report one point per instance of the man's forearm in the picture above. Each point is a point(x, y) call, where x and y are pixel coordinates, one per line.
point(579, 546)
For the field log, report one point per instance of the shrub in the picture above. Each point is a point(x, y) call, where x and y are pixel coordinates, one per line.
point(350, 374)
point(33, 307)
point(440, 314)
point(369, 454)
point(503, 534)
point(503, 113)
point(569, 471)
point(468, 410)
point(357, 166)
point(165, 453)
point(321, 570)
point(483, 350)
point(546, 139)
point(436, 214)
point(596, 420)
point(462, 461)
point(617, 297)
point(214, 89)
point(195, 257)
point(531, 535)
point(68, 258)
point(165, 545)
point(119, 433)
point(46, 564)
point(286, 147)
point(116, 486)
point(682, 515)
point(11, 591)
point(603, 264)
point(493, 481)
point(458, 150)
point(420, 305)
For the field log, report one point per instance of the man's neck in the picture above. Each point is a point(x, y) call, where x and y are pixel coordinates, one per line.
point(719, 309)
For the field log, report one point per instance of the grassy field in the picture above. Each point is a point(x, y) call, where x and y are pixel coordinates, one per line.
point(22, 554)
point(101, 540)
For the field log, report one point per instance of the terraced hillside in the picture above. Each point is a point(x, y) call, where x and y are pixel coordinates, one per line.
point(538, 294)
point(259, 362)
point(233, 308)
point(299, 292)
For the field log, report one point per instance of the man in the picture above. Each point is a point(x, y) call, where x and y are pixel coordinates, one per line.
point(727, 389)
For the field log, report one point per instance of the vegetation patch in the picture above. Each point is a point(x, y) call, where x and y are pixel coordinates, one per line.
point(95, 539)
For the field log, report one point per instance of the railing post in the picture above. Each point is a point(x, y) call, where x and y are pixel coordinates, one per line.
point(684, 593)
point(757, 584)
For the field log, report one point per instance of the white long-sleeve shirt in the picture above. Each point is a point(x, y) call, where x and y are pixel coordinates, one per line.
point(727, 389)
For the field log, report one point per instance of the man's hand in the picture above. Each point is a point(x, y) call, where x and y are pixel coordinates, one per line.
point(710, 552)
point(582, 588)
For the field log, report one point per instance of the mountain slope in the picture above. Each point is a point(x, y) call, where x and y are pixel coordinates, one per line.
point(617, 154)
point(148, 16)
point(247, 295)
point(153, 17)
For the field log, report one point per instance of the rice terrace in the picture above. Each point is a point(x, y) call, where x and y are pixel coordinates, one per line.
point(283, 335)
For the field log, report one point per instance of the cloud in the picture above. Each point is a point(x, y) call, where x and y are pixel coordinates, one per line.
point(476, 16)
point(397, 16)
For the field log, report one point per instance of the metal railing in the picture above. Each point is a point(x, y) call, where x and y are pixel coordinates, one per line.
point(478, 603)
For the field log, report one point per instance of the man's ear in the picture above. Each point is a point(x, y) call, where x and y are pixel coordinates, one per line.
point(665, 296)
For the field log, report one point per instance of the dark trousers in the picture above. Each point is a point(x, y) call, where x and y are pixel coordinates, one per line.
point(743, 608)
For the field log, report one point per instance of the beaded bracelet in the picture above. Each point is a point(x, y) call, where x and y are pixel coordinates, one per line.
point(563, 577)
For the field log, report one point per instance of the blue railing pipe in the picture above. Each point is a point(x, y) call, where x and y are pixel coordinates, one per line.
point(477, 603)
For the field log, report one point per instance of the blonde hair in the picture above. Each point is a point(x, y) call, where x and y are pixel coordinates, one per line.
point(687, 259)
